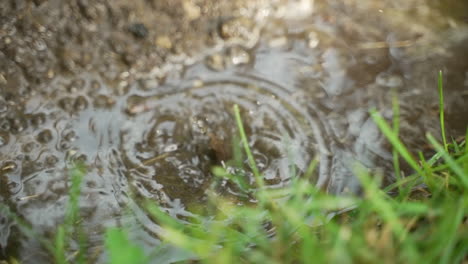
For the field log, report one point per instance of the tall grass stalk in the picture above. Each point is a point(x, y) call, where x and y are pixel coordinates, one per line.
point(245, 143)
point(440, 86)
point(396, 131)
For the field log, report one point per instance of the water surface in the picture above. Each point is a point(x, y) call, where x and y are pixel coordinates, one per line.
point(145, 100)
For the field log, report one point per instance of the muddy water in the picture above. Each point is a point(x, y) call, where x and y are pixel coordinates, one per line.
point(143, 95)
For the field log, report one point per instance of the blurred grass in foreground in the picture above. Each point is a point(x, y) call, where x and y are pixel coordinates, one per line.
point(423, 221)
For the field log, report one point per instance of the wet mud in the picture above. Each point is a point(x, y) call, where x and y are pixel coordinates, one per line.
point(142, 93)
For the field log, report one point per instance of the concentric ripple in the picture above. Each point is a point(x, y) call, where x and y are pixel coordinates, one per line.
point(191, 127)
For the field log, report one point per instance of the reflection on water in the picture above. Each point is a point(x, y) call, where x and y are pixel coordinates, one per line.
point(304, 89)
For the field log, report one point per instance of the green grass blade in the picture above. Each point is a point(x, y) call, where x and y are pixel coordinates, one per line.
point(377, 200)
point(466, 138)
point(121, 250)
point(462, 177)
point(395, 141)
point(396, 131)
point(450, 233)
point(441, 109)
point(465, 163)
point(245, 143)
point(71, 214)
point(221, 172)
point(59, 247)
point(77, 173)
point(311, 168)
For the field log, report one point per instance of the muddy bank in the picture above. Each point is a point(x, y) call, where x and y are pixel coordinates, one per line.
point(142, 93)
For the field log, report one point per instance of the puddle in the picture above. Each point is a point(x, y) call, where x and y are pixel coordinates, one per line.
point(154, 129)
